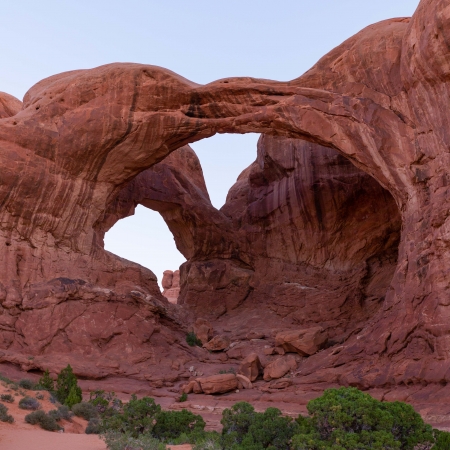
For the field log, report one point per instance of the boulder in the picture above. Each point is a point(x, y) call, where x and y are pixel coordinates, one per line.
point(217, 343)
point(305, 342)
point(244, 381)
point(274, 351)
point(203, 330)
point(250, 367)
point(218, 384)
point(279, 367)
point(190, 387)
point(281, 383)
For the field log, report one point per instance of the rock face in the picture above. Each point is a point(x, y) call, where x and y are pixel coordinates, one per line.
point(217, 343)
point(203, 330)
point(171, 285)
point(250, 367)
point(341, 222)
point(304, 342)
point(218, 384)
point(279, 367)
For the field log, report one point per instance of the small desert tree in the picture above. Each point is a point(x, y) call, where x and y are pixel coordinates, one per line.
point(45, 382)
point(67, 389)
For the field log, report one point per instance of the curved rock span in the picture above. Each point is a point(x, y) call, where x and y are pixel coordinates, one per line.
point(340, 223)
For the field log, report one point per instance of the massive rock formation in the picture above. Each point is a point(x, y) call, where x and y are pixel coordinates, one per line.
point(305, 237)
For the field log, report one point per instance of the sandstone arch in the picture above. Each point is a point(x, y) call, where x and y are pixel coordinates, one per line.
point(380, 99)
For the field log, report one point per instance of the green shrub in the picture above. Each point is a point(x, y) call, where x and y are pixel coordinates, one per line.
point(93, 426)
point(195, 437)
point(442, 440)
point(25, 383)
point(4, 416)
point(171, 424)
point(350, 419)
point(106, 403)
point(6, 379)
point(63, 412)
point(45, 382)
point(270, 430)
point(208, 443)
point(74, 396)
point(236, 422)
point(119, 441)
point(183, 397)
point(8, 398)
point(67, 390)
point(45, 421)
point(138, 417)
point(243, 428)
point(230, 370)
point(29, 403)
point(85, 410)
point(193, 340)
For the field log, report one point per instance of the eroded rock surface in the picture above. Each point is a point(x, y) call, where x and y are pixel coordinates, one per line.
point(341, 222)
point(171, 285)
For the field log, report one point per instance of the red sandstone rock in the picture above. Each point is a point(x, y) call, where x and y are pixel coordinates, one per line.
point(9, 105)
point(279, 367)
point(218, 384)
point(171, 285)
point(166, 281)
point(244, 381)
point(281, 383)
point(305, 238)
point(250, 367)
point(305, 342)
point(203, 330)
point(274, 351)
point(217, 343)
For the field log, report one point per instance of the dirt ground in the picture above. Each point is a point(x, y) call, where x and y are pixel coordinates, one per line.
point(23, 436)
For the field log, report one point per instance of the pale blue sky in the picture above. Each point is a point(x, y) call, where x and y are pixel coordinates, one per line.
point(199, 39)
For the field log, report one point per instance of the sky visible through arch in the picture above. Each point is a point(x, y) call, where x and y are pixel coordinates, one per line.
point(202, 41)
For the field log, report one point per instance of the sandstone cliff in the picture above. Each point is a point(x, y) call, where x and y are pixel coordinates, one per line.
point(342, 221)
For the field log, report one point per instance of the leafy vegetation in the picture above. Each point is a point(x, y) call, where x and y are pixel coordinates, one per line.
point(29, 403)
point(183, 397)
point(4, 416)
point(45, 382)
point(85, 410)
point(347, 418)
point(230, 370)
point(193, 340)
point(106, 403)
point(6, 379)
point(67, 390)
point(119, 441)
point(93, 426)
point(25, 383)
point(45, 421)
point(171, 424)
point(243, 428)
point(137, 417)
point(63, 412)
point(8, 398)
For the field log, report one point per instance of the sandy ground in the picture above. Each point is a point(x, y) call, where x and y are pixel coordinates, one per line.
point(37, 439)
point(23, 436)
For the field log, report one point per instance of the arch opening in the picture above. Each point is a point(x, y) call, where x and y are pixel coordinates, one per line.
point(145, 238)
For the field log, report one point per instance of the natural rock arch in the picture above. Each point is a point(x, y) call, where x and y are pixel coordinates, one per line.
point(380, 99)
